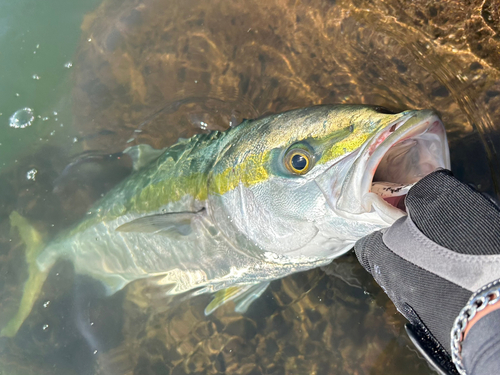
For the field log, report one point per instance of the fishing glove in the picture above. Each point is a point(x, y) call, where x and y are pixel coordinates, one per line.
point(432, 261)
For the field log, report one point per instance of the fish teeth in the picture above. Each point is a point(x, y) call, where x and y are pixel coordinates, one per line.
point(390, 189)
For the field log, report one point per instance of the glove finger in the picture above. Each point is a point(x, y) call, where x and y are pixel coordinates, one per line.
point(364, 249)
point(454, 215)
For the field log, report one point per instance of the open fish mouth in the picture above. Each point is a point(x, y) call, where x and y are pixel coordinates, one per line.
point(398, 157)
point(371, 183)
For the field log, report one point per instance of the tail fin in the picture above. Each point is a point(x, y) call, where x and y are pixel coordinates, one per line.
point(34, 245)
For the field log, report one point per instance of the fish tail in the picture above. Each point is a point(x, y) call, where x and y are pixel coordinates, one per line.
point(34, 244)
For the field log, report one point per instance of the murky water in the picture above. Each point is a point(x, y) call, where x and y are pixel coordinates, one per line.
point(77, 89)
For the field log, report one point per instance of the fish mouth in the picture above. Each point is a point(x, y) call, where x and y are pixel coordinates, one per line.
point(398, 157)
point(377, 177)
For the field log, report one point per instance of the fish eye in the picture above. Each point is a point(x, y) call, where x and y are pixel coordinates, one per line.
point(298, 161)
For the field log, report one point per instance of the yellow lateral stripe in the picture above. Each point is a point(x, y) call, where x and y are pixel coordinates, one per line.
point(152, 197)
point(250, 172)
point(347, 145)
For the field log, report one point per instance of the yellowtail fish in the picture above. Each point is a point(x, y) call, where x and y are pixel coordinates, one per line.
point(229, 212)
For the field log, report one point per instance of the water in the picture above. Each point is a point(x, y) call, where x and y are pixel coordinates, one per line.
point(133, 72)
point(36, 40)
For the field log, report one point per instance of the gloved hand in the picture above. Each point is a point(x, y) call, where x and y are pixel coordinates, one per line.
point(432, 261)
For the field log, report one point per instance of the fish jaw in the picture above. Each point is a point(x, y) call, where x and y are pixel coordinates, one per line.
point(370, 183)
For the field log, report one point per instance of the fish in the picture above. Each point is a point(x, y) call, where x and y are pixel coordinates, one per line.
point(229, 212)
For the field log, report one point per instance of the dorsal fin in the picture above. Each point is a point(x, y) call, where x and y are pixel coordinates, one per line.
point(142, 155)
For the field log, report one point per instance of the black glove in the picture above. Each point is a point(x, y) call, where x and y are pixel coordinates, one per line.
point(430, 262)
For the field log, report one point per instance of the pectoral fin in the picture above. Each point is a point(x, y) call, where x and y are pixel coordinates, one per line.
point(179, 222)
point(243, 296)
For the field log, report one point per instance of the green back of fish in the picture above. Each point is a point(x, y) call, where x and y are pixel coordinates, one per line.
point(180, 172)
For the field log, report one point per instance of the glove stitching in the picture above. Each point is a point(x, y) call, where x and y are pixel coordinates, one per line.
point(450, 254)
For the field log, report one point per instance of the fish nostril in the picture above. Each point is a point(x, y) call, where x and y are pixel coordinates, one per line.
point(384, 111)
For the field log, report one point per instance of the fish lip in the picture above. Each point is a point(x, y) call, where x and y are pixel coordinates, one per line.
point(413, 126)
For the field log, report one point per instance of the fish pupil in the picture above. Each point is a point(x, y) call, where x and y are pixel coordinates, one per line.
point(299, 162)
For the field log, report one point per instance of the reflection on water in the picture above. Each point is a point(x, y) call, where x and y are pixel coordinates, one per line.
point(152, 71)
point(252, 58)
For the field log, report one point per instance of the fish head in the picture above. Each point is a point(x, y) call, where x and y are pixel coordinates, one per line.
point(310, 182)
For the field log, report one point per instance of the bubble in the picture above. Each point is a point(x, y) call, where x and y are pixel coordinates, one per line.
point(55, 113)
point(22, 118)
point(31, 174)
point(68, 65)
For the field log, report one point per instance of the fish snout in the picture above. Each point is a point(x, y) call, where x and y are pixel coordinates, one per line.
point(372, 182)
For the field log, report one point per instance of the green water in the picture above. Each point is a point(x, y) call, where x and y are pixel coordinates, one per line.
point(37, 40)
